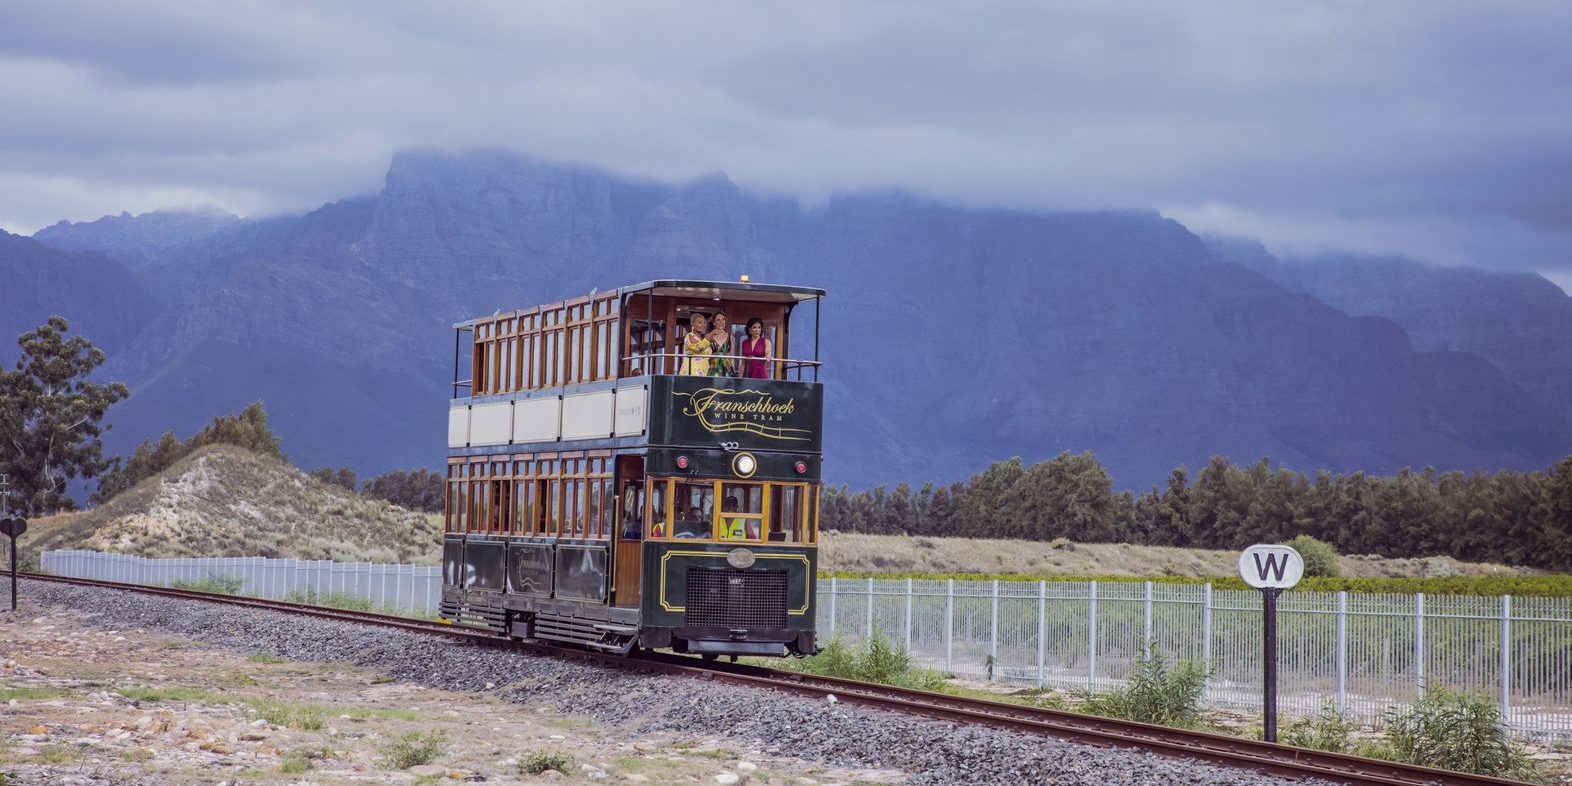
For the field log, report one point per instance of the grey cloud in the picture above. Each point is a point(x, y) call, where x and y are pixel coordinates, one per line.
point(1378, 127)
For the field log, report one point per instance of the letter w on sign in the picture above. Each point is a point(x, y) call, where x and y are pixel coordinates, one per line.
point(1265, 566)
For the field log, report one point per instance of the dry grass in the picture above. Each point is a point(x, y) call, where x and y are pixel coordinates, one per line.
point(854, 553)
point(222, 501)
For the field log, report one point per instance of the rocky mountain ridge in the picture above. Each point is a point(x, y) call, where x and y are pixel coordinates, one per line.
point(952, 337)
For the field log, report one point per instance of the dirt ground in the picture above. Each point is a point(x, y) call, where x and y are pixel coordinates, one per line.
point(80, 705)
point(905, 554)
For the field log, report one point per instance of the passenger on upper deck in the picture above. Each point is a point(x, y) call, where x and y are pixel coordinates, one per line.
point(720, 339)
point(758, 350)
point(697, 346)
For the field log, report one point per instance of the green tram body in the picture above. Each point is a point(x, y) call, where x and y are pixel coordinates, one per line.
point(588, 477)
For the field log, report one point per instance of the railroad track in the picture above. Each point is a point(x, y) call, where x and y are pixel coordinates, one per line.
point(1219, 749)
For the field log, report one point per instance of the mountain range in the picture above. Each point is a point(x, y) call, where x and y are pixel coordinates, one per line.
point(953, 336)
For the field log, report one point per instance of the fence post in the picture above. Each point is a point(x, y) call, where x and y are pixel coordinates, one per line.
point(1091, 637)
point(993, 631)
point(1419, 644)
point(869, 637)
point(1342, 652)
point(1042, 633)
point(1146, 629)
point(949, 626)
point(1506, 657)
point(833, 588)
point(908, 616)
point(1206, 639)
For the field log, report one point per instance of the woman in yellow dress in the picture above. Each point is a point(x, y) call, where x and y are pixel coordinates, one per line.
point(696, 345)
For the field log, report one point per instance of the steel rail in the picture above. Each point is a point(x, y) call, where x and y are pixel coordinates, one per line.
point(1234, 752)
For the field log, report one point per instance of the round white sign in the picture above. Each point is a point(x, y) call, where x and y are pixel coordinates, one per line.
point(1266, 566)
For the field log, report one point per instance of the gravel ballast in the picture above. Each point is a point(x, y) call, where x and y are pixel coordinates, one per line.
point(931, 752)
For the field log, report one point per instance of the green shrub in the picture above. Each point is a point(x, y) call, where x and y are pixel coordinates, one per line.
point(537, 762)
point(1320, 556)
point(876, 660)
point(1454, 731)
point(1328, 730)
point(1154, 694)
point(337, 600)
point(411, 749)
point(212, 582)
point(307, 717)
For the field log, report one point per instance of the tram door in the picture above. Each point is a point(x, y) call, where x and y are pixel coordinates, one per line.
point(628, 561)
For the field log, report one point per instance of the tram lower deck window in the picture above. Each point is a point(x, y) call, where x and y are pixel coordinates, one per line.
point(729, 512)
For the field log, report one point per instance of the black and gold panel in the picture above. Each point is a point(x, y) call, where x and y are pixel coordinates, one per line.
point(529, 569)
point(581, 572)
point(747, 414)
point(758, 572)
point(453, 561)
point(484, 567)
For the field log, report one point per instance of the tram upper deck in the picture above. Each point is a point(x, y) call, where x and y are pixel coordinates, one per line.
point(611, 370)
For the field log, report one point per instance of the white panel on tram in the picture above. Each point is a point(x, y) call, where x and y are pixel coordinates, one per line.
point(588, 415)
point(537, 419)
point(631, 405)
point(491, 424)
point(458, 427)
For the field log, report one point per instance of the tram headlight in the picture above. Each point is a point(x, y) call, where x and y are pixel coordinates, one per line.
point(801, 467)
point(744, 464)
point(682, 462)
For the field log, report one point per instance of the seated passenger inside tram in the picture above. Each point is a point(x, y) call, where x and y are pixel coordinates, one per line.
point(692, 510)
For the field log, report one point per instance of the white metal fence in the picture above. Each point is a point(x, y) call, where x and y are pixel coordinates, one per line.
point(1362, 652)
point(409, 589)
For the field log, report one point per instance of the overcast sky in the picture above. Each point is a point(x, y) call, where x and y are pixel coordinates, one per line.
point(1442, 130)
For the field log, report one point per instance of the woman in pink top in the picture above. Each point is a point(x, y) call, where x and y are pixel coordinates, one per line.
point(758, 351)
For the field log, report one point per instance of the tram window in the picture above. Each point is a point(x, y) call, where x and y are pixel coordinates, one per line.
point(632, 514)
point(742, 512)
point(655, 514)
point(786, 514)
point(693, 510)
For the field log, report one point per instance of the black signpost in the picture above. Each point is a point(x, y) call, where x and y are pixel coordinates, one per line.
point(1270, 569)
point(1269, 655)
point(12, 527)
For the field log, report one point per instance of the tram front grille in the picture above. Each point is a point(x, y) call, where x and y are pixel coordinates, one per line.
point(722, 598)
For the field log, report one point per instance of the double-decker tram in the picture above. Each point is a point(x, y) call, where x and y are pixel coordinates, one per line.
point(639, 468)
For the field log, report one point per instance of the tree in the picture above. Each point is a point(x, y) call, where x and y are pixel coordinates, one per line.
point(51, 417)
point(343, 477)
point(248, 430)
point(420, 489)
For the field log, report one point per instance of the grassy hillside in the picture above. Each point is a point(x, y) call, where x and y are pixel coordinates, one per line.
point(222, 501)
point(902, 555)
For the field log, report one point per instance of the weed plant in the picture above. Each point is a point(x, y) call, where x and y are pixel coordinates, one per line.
point(212, 582)
point(337, 600)
point(1155, 693)
point(1455, 731)
point(1328, 730)
point(877, 660)
point(537, 762)
point(411, 749)
point(306, 717)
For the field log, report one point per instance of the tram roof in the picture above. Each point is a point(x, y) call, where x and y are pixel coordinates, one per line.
point(671, 287)
point(768, 293)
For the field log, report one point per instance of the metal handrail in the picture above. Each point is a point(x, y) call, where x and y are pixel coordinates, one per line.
point(790, 362)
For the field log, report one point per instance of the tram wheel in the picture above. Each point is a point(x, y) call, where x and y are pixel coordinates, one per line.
point(708, 656)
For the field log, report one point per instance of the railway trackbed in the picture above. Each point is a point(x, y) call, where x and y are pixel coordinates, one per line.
point(1233, 752)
